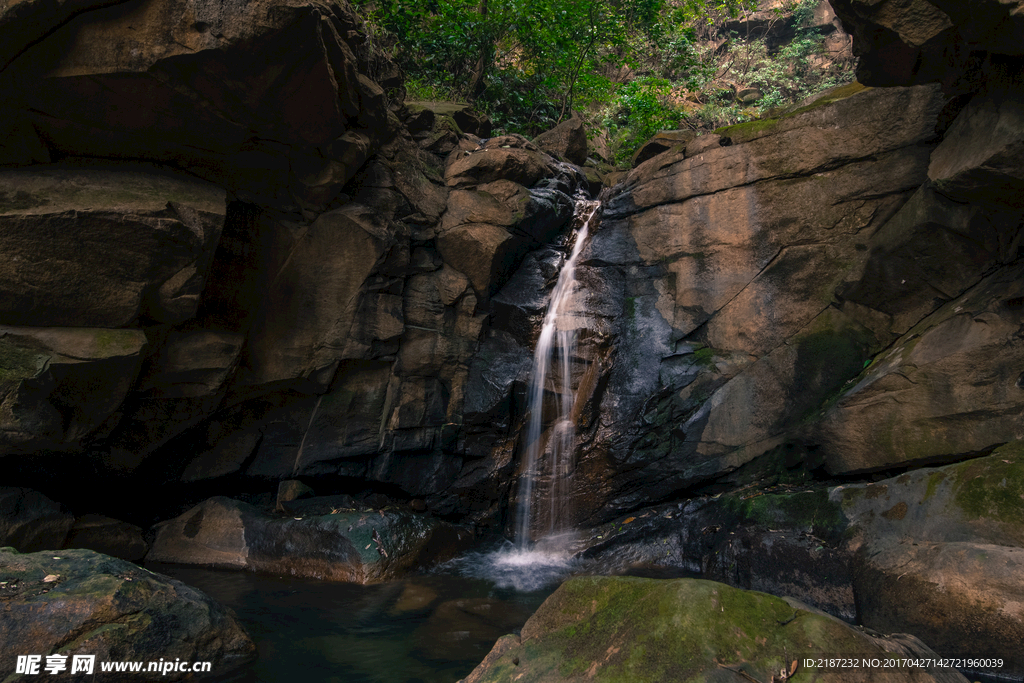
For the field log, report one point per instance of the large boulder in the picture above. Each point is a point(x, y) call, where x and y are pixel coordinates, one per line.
point(81, 603)
point(326, 543)
point(568, 139)
point(979, 159)
point(935, 552)
point(662, 142)
point(905, 42)
point(108, 536)
point(508, 157)
point(939, 554)
point(105, 244)
point(264, 97)
point(309, 320)
point(950, 386)
point(787, 542)
point(728, 329)
point(625, 628)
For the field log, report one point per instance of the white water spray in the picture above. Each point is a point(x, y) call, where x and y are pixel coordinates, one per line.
point(558, 334)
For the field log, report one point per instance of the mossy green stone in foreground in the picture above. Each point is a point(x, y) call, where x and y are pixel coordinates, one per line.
point(633, 630)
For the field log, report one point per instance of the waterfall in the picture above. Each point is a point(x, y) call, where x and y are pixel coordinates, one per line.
point(557, 336)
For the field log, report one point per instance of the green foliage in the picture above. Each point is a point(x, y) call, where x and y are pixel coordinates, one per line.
point(640, 109)
point(632, 67)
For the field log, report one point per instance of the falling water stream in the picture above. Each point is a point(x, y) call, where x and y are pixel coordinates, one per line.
point(538, 558)
point(557, 337)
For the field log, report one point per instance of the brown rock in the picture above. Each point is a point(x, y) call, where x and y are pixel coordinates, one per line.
point(980, 158)
point(662, 142)
point(732, 336)
point(60, 385)
point(500, 160)
point(24, 23)
point(898, 43)
point(949, 386)
point(568, 139)
point(484, 252)
point(309, 319)
point(462, 114)
point(205, 87)
point(191, 363)
point(289, 490)
point(993, 25)
point(960, 597)
point(103, 244)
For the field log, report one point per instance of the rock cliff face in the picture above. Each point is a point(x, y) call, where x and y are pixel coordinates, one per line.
point(227, 261)
point(232, 256)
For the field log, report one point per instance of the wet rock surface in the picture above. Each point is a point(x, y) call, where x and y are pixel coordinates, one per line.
point(79, 602)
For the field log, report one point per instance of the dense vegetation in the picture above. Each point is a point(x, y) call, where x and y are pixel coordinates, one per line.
point(630, 67)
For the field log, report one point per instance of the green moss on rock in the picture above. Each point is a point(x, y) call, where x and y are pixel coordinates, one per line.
point(117, 342)
point(801, 510)
point(993, 487)
point(744, 132)
point(627, 629)
point(758, 128)
point(18, 362)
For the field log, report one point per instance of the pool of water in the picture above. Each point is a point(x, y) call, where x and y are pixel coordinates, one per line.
point(429, 628)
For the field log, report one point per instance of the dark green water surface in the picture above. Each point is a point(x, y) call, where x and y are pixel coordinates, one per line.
point(424, 629)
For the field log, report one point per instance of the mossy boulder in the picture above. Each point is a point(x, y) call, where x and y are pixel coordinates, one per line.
point(363, 546)
point(939, 552)
point(72, 602)
point(637, 630)
point(979, 500)
point(785, 540)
